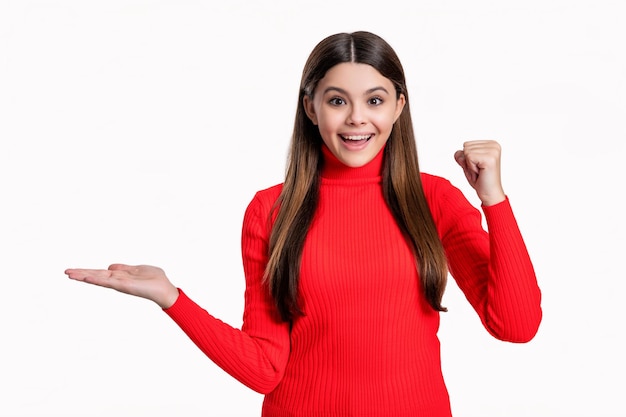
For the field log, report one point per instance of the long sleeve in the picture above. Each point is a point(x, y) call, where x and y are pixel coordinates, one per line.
point(493, 269)
point(367, 341)
point(257, 354)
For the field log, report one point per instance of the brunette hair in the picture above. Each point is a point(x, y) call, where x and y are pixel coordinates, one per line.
point(402, 187)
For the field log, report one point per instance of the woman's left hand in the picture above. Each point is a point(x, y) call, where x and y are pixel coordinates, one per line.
point(143, 281)
point(480, 160)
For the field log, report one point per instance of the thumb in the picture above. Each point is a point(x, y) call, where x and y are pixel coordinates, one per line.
point(459, 157)
point(119, 267)
point(470, 174)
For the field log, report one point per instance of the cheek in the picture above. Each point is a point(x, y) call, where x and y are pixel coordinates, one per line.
point(384, 122)
point(330, 122)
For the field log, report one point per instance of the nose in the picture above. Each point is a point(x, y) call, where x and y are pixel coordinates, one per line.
point(356, 116)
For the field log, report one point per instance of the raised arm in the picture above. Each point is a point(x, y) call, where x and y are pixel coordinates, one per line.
point(492, 268)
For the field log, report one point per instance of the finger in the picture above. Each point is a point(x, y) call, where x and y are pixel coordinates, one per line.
point(462, 158)
point(459, 157)
point(122, 267)
point(479, 143)
point(482, 147)
point(117, 280)
point(469, 162)
point(75, 273)
point(91, 276)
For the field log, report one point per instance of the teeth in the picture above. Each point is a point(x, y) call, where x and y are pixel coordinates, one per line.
point(360, 137)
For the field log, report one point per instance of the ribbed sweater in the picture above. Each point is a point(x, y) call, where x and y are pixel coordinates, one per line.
point(367, 343)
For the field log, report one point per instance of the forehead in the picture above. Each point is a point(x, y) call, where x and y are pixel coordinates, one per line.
point(354, 78)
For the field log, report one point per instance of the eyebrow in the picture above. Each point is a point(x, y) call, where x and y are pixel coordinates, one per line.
point(342, 91)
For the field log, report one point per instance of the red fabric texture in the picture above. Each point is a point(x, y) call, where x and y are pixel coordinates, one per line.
point(367, 344)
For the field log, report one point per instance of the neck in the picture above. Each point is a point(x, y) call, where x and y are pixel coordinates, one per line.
point(334, 169)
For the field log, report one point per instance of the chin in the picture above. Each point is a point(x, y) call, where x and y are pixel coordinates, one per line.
point(356, 162)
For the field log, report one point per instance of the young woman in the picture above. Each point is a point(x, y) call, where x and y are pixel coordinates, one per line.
point(346, 261)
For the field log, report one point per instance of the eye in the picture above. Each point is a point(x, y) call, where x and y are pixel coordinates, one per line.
point(336, 101)
point(375, 101)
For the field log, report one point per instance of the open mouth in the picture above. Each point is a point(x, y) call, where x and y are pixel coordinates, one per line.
point(356, 138)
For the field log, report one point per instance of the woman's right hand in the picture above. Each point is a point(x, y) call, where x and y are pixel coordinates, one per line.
point(143, 281)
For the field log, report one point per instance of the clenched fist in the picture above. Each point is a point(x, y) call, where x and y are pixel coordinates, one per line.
point(480, 160)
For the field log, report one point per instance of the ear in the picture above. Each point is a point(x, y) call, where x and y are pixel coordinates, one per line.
point(399, 107)
point(309, 109)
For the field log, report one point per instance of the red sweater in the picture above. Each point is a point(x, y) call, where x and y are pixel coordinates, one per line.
point(367, 344)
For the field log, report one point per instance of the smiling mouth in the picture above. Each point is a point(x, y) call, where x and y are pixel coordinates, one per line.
point(356, 138)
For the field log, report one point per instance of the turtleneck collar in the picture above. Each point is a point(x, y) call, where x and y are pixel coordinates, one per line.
point(334, 169)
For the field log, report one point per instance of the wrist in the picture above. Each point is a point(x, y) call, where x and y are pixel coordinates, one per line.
point(169, 298)
point(492, 200)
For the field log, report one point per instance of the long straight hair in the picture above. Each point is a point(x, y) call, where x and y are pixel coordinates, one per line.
point(402, 187)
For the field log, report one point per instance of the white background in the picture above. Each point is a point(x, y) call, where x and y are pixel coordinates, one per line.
point(138, 131)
